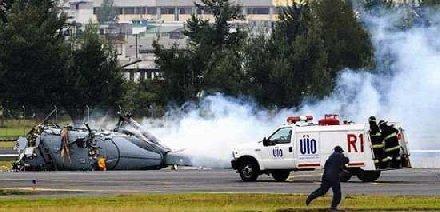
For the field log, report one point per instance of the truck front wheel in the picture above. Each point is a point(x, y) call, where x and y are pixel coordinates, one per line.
point(249, 170)
point(368, 176)
point(280, 175)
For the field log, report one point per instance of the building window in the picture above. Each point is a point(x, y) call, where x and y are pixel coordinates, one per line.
point(167, 10)
point(120, 11)
point(185, 10)
point(140, 10)
point(129, 10)
point(176, 35)
point(95, 9)
point(151, 11)
point(258, 10)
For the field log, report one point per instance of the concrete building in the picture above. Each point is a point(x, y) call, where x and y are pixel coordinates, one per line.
point(168, 10)
point(140, 22)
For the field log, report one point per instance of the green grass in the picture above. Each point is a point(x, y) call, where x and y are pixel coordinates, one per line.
point(15, 127)
point(7, 144)
point(9, 192)
point(13, 132)
point(19, 123)
point(5, 165)
point(214, 202)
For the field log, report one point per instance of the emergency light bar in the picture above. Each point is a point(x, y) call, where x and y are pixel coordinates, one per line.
point(294, 119)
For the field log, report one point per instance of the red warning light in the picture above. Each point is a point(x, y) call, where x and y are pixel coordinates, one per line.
point(330, 119)
point(294, 119)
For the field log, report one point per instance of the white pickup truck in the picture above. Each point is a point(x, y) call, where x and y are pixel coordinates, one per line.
point(302, 145)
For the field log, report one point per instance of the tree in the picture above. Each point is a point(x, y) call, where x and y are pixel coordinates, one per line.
point(306, 50)
point(212, 60)
point(217, 46)
point(292, 63)
point(93, 77)
point(373, 4)
point(144, 98)
point(32, 54)
point(430, 3)
point(40, 69)
point(5, 7)
point(106, 13)
point(309, 45)
point(179, 76)
point(347, 43)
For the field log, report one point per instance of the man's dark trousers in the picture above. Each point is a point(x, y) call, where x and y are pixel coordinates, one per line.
point(326, 184)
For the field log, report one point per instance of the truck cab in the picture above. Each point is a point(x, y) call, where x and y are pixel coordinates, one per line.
point(302, 145)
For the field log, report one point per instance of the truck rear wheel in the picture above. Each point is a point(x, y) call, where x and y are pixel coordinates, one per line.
point(249, 170)
point(368, 176)
point(345, 176)
point(280, 175)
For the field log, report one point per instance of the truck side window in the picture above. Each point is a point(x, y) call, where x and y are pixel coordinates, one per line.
point(281, 136)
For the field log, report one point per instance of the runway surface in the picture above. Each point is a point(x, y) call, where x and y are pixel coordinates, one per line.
point(398, 182)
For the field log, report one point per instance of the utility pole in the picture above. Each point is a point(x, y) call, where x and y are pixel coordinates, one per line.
point(136, 38)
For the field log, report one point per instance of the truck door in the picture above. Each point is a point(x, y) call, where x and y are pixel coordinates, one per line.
point(308, 148)
point(277, 152)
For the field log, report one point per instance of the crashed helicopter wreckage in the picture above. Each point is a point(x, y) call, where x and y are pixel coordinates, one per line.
point(127, 147)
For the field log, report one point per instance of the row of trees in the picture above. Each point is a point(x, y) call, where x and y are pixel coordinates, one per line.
point(310, 44)
point(313, 41)
point(39, 68)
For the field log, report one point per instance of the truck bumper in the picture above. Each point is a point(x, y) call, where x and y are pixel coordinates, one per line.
point(234, 164)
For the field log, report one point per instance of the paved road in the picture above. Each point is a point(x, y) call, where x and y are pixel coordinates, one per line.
point(401, 182)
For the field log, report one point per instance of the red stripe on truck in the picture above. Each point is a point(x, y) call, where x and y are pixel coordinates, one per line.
point(357, 164)
point(308, 164)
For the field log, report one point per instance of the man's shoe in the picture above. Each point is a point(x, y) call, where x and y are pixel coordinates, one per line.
point(308, 200)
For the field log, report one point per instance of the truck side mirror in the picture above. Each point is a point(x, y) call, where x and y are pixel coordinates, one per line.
point(265, 142)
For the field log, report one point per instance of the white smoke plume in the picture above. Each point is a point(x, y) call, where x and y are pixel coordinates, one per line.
point(403, 88)
point(209, 132)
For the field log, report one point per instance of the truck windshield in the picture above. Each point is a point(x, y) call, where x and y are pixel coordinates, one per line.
point(281, 136)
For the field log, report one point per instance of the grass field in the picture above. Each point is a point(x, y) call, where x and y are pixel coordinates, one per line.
point(14, 123)
point(17, 127)
point(7, 144)
point(13, 132)
point(212, 202)
point(5, 165)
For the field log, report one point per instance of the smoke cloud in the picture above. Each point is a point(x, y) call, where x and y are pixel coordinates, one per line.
point(403, 88)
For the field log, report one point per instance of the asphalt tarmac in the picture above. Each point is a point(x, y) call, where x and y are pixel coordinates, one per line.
point(397, 182)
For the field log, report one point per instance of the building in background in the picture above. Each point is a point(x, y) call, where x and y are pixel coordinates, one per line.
point(138, 23)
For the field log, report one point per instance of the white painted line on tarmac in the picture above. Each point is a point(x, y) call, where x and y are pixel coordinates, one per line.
point(69, 190)
point(426, 151)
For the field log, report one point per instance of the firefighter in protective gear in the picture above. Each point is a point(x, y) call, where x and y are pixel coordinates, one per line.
point(380, 160)
point(392, 146)
point(331, 178)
